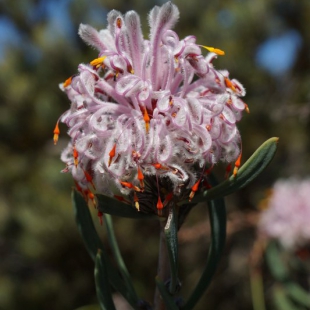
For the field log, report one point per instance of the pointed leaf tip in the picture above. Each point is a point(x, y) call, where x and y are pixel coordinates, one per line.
point(255, 165)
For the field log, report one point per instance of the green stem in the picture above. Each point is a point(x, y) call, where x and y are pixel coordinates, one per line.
point(163, 267)
point(257, 290)
point(118, 257)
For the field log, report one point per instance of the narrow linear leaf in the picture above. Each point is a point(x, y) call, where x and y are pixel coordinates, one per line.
point(297, 293)
point(257, 289)
point(247, 173)
point(171, 233)
point(217, 213)
point(93, 244)
point(112, 206)
point(282, 302)
point(276, 265)
point(170, 304)
point(102, 284)
point(281, 273)
point(119, 259)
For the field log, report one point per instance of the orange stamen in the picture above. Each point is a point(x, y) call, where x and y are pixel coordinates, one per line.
point(229, 84)
point(92, 197)
point(247, 108)
point(130, 69)
point(214, 50)
point(170, 101)
point(237, 164)
point(89, 178)
point(98, 62)
point(75, 156)
point(112, 154)
point(141, 178)
point(130, 185)
point(194, 189)
point(147, 120)
point(157, 166)
point(67, 82)
point(56, 133)
point(136, 200)
point(126, 184)
point(119, 22)
point(159, 207)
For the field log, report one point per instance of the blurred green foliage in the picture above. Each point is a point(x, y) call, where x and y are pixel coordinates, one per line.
point(43, 262)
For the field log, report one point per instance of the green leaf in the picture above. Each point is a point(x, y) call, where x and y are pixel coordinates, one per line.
point(247, 173)
point(112, 206)
point(102, 283)
point(298, 294)
point(276, 265)
point(217, 213)
point(171, 233)
point(169, 302)
point(280, 272)
point(93, 244)
point(281, 300)
point(119, 259)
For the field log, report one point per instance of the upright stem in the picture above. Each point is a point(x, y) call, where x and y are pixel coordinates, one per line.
point(163, 266)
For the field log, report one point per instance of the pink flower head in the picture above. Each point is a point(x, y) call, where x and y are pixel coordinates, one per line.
point(151, 109)
point(288, 213)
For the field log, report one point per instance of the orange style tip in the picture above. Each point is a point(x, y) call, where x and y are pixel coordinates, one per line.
point(56, 133)
point(67, 82)
point(157, 166)
point(137, 206)
point(55, 138)
point(98, 61)
point(247, 109)
point(159, 205)
point(76, 162)
point(196, 186)
point(126, 184)
point(140, 174)
point(235, 171)
point(191, 196)
point(112, 154)
point(137, 189)
point(118, 22)
point(214, 50)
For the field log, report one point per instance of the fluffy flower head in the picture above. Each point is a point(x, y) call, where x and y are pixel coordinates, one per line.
point(148, 109)
point(288, 213)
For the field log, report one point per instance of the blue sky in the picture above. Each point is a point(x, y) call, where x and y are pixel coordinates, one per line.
point(277, 54)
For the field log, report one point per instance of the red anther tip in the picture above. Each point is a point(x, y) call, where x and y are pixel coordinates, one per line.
point(112, 154)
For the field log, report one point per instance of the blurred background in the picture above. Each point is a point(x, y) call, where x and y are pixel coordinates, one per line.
point(43, 262)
